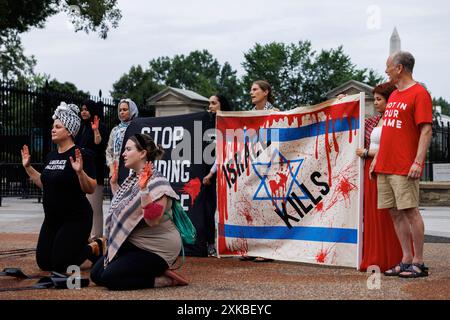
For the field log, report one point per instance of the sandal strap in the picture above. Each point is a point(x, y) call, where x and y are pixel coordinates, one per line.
point(397, 269)
point(404, 266)
point(421, 266)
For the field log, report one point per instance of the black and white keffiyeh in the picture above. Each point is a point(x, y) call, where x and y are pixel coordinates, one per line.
point(68, 115)
point(267, 106)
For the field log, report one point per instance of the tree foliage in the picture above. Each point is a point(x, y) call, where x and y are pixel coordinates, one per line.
point(198, 71)
point(298, 74)
point(18, 16)
point(444, 104)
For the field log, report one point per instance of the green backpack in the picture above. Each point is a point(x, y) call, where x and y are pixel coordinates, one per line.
point(183, 223)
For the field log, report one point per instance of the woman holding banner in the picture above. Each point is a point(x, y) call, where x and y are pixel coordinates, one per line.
point(262, 99)
point(127, 111)
point(217, 102)
point(143, 241)
point(381, 246)
point(262, 96)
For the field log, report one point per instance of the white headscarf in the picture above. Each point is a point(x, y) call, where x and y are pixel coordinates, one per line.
point(123, 125)
point(133, 109)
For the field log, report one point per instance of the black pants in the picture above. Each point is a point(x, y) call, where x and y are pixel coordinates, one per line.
point(64, 243)
point(210, 211)
point(132, 268)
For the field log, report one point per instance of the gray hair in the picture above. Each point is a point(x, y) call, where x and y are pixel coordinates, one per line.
point(404, 58)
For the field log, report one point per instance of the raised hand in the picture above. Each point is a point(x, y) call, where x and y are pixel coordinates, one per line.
point(145, 175)
point(115, 173)
point(77, 165)
point(25, 156)
point(207, 179)
point(94, 124)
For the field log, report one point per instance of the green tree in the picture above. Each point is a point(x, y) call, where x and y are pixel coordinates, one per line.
point(14, 64)
point(137, 84)
point(199, 71)
point(67, 88)
point(228, 84)
point(299, 75)
point(445, 105)
point(18, 16)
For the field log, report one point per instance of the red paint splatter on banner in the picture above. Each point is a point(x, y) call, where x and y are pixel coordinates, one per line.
point(247, 216)
point(239, 246)
point(192, 188)
point(244, 207)
point(328, 151)
point(335, 143)
point(342, 190)
point(319, 206)
point(345, 187)
point(350, 135)
point(349, 110)
point(276, 186)
point(321, 256)
point(337, 111)
point(317, 137)
point(222, 191)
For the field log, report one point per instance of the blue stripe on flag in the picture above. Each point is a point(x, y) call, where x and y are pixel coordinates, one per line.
point(312, 130)
point(337, 235)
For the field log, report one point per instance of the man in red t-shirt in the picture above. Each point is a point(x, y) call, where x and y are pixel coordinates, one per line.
point(405, 138)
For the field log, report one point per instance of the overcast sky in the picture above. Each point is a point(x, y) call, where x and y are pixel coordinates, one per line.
point(228, 28)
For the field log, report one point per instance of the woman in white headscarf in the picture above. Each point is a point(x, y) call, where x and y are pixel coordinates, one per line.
point(67, 176)
point(127, 111)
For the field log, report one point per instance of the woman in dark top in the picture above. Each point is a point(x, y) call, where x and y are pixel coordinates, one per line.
point(217, 102)
point(93, 137)
point(67, 176)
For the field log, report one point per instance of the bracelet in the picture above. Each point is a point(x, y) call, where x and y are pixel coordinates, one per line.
point(418, 163)
point(144, 192)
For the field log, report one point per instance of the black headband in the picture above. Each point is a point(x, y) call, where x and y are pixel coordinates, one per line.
point(141, 141)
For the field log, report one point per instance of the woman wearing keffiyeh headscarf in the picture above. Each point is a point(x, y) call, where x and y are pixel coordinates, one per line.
point(67, 176)
point(127, 111)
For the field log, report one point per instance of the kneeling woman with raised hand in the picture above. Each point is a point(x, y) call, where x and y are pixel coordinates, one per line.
point(143, 241)
point(67, 176)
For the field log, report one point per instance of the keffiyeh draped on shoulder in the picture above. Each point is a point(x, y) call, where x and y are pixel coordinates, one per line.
point(126, 211)
point(267, 106)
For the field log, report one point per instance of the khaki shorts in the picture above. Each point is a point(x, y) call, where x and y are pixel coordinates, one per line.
point(396, 191)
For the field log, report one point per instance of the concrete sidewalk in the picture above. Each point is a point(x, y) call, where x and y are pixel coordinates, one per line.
point(26, 216)
point(229, 278)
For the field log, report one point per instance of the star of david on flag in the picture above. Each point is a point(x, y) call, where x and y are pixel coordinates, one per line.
point(274, 181)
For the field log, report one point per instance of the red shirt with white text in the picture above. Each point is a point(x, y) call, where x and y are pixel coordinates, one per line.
point(405, 111)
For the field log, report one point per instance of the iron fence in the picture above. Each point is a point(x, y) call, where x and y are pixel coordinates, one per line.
point(26, 118)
